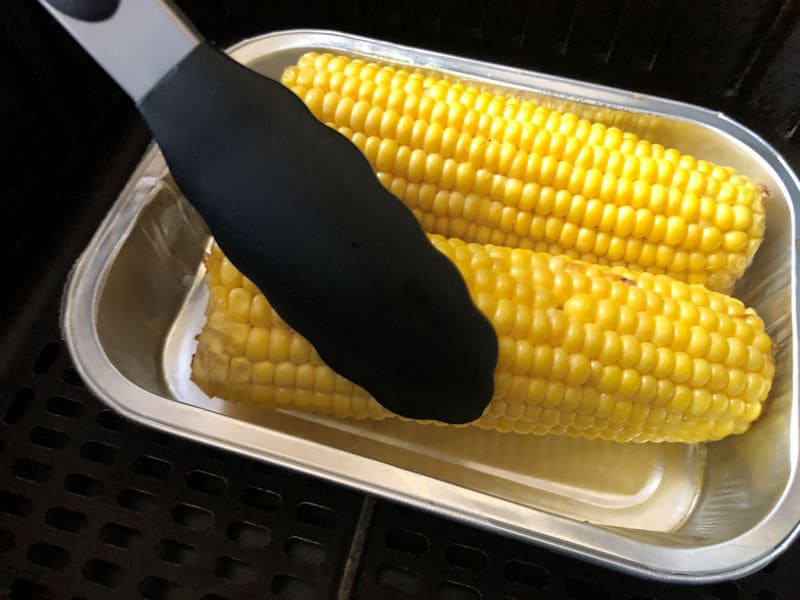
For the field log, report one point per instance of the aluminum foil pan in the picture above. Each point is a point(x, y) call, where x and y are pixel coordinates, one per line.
point(674, 512)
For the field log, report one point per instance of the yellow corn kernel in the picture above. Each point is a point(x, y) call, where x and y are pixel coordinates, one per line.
point(564, 366)
point(495, 147)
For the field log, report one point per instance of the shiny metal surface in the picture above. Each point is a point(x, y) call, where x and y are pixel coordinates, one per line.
point(139, 44)
point(673, 512)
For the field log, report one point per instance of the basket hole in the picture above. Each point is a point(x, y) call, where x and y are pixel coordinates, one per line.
point(18, 406)
point(176, 553)
point(24, 588)
point(150, 466)
point(65, 519)
point(64, 407)
point(234, 570)
point(206, 483)
point(155, 588)
point(726, 590)
point(316, 514)
point(14, 504)
point(261, 499)
point(583, 589)
point(71, 377)
point(526, 573)
point(248, 534)
point(108, 419)
point(765, 595)
point(192, 517)
point(98, 452)
point(32, 470)
point(450, 590)
point(305, 551)
point(405, 540)
point(404, 580)
point(6, 540)
point(103, 572)
point(137, 499)
point(52, 439)
point(466, 557)
point(292, 588)
point(47, 358)
point(119, 535)
point(83, 485)
point(48, 556)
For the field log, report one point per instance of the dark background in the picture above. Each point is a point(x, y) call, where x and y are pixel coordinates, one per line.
point(93, 506)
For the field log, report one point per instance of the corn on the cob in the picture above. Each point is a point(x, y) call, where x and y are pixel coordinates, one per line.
point(584, 350)
point(494, 169)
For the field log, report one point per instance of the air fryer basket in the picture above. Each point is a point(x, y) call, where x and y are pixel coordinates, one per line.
point(94, 506)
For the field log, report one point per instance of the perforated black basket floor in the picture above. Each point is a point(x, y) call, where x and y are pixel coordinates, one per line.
point(94, 506)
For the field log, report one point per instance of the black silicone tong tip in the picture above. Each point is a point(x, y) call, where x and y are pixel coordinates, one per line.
point(297, 207)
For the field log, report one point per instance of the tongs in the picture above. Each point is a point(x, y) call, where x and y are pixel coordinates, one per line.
point(297, 208)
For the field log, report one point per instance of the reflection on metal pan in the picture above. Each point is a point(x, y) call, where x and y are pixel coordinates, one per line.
point(676, 512)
